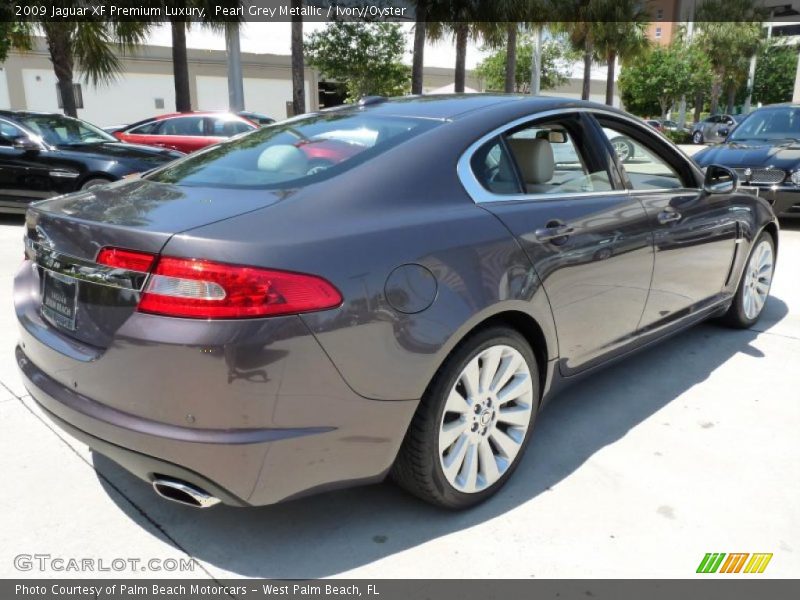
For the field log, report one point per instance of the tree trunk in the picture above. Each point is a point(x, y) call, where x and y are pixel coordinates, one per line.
point(612, 63)
point(180, 67)
point(58, 44)
point(698, 106)
point(731, 99)
point(587, 70)
point(715, 92)
point(511, 59)
point(461, 57)
point(298, 65)
point(419, 49)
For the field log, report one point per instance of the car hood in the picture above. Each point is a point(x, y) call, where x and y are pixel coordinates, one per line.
point(783, 154)
point(122, 151)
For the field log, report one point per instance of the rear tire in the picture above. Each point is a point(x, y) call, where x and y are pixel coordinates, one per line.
point(474, 422)
point(753, 291)
point(697, 137)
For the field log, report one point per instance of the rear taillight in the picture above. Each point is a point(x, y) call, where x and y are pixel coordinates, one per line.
point(202, 289)
point(126, 259)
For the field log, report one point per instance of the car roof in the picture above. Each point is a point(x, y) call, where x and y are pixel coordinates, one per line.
point(195, 113)
point(11, 114)
point(454, 106)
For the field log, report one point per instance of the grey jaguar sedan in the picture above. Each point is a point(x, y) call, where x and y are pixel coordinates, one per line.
point(253, 323)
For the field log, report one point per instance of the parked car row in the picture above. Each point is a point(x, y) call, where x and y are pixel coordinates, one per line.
point(44, 154)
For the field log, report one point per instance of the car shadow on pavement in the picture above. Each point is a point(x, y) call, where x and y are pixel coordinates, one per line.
point(338, 531)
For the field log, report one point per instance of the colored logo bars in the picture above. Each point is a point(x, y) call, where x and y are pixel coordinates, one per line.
point(717, 562)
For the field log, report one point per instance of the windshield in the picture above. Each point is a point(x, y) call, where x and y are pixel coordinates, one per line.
point(58, 130)
point(770, 124)
point(295, 152)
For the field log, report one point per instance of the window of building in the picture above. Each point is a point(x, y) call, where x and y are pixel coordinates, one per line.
point(658, 32)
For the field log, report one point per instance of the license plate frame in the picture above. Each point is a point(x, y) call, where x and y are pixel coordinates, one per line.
point(60, 300)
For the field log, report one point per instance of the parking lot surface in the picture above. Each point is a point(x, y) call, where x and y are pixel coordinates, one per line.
point(687, 448)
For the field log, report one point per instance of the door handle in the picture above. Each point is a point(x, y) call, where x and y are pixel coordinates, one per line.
point(554, 232)
point(668, 216)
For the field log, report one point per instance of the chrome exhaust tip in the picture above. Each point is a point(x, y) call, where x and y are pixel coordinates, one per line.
point(183, 493)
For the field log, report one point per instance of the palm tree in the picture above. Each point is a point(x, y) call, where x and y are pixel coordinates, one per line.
point(180, 61)
point(298, 66)
point(462, 19)
point(620, 32)
point(576, 20)
point(88, 45)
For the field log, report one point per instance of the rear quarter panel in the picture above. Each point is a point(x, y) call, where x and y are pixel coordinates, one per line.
point(406, 206)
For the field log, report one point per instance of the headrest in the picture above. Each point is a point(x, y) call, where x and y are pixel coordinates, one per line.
point(285, 159)
point(534, 157)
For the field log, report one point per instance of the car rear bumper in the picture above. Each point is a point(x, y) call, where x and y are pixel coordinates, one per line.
point(254, 416)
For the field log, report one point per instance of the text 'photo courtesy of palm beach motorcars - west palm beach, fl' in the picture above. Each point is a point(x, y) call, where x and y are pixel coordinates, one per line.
point(485, 295)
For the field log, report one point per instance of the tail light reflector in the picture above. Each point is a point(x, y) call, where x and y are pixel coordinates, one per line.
point(204, 289)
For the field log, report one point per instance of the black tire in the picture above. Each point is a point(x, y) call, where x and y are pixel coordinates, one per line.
point(417, 468)
point(94, 182)
point(625, 155)
point(697, 137)
point(736, 316)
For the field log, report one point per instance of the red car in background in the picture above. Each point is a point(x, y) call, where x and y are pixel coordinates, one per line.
point(186, 132)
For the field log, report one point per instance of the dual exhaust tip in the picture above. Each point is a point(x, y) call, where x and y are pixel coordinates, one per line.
point(183, 493)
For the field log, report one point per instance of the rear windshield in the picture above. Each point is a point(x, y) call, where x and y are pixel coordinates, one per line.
point(293, 153)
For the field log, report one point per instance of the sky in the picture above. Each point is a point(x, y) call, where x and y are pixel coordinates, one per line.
point(274, 38)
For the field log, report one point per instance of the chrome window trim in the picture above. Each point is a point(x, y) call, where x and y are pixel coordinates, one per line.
point(83, 270)
point(480, 194)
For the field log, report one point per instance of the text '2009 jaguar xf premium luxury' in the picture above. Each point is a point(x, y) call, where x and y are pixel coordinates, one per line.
point(245, 326)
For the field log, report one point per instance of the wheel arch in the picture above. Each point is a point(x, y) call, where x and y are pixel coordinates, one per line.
point(523, 323)
point(95, 175)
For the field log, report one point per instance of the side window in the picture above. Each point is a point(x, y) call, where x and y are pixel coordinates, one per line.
point(9, 133)
point(645, 168)
point(146, 129)
point(226, 127)
point(492, 166)
point(551, 160)
point(182, 126)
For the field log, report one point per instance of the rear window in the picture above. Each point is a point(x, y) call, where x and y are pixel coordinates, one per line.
point(295, 152)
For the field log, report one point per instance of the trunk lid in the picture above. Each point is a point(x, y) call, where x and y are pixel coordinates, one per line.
point(86, 301)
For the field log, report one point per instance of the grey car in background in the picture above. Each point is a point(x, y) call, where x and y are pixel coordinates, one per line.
point(714, 129)
point(243, 326)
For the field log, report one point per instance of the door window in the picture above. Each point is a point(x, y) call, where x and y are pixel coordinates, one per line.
point(146, 129)
point(182, 126)
point(221, 127)
point(646, 169)
point(9, 133)
point(546, 158)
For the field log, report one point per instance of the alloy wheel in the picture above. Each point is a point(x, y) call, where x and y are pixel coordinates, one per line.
point(485, 419)
point(758, 278)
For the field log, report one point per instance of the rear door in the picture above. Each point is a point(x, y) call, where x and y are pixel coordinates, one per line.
point(694, 233)
point(23, 175)
point(552, 184)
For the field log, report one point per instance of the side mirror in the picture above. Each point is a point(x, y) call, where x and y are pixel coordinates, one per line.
point(720, 180)
point(26, 144)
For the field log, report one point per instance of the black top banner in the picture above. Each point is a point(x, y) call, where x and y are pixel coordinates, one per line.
point(451, 11)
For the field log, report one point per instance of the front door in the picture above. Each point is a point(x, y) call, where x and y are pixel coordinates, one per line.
point(694, 234)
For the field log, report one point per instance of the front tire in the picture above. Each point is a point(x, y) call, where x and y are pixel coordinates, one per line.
point(697, 137)
point(753, 291)
point(474, 422)
point(94, 182)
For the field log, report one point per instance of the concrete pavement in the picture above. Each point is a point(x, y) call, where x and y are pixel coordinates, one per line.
point(690, 447)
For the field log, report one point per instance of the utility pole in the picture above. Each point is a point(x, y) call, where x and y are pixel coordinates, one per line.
point(536, 63)
point(235, 80)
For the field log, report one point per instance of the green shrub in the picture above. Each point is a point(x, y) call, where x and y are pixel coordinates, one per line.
point(679, 137)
